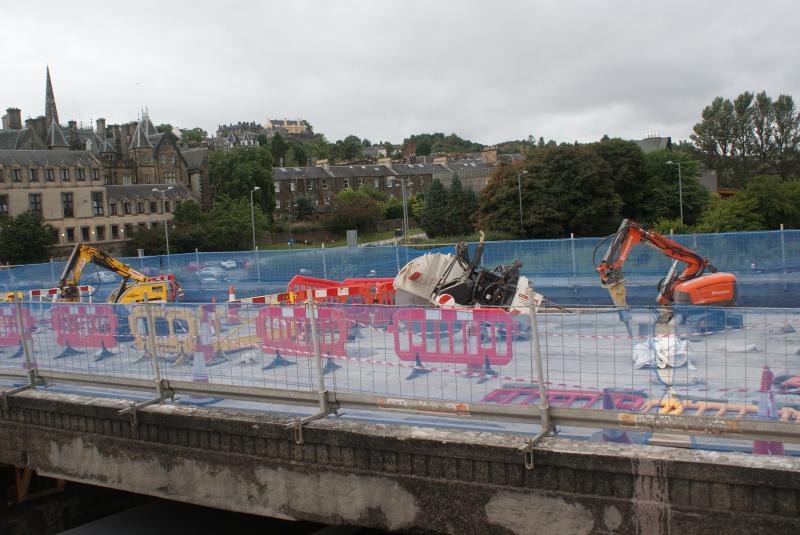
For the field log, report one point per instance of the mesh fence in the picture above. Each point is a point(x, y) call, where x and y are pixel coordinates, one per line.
point(761, 256)
point(730, 363)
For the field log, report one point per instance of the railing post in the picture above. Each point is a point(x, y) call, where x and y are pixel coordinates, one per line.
point(324, 264)
point(572, 248)
point(258, 266)
point(151, 331)
point(311, 311)
point(23, 340)
point(783, 251)
point(547, 427)
point(397, 253)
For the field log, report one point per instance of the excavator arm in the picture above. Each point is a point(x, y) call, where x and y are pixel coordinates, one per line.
point(84, 254)
point(630, 234)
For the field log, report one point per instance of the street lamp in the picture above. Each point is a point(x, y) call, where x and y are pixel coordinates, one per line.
point(680, 187)
point(405, 207)
point(163, 193)
point(253, 221)
point(519, 190)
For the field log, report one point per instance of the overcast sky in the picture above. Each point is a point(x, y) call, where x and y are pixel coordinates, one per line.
point(488, 71)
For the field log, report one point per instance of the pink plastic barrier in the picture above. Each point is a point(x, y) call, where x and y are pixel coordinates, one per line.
point(472, 337)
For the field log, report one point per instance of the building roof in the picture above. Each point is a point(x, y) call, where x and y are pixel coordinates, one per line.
point(195, 158)
point(463, 166)
point(346, 171)
point(652, 144)
point(14, 139)
point(139, 139)
point(299, 173)
point(145, 191)
point(47, 157)
point(55, 137)
point(414, 169)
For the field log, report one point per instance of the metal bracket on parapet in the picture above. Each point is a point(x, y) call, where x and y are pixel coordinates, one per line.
point(164, 392)
point(33, 382)
point(548, 429)
point(329, 407)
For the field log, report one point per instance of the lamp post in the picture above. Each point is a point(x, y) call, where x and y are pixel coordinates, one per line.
point(405, 208)
point(519, 190)
point(680, 187)
point(163, 193)
point(253, 222)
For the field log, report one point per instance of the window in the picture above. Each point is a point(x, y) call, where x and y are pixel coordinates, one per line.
point(49, 175)
point(2, 175)
point(16, 176)
point(167, 206)
point(112, 208)
point(127, 180)
point(4, 204)
point(324, 183)
point(310, 185)
point(97, 203)
point(139, 207)
point(84, 233)
point(377, 183)
point(346, 182)
point(277, 204)
point(114, 232)
point(64, 174)
point(79, 174)
point(101, 232)
point(126, 208)
point(153, 207)
point(33, 175)
point(163, 158)
point(95, 174)
point(277, 187)
point(128, 229)
point(169, 177)
point(292, 184)
point(35, 203)
point(67, 205)
point(70, 234)
point(389, 182)
point(172, 158)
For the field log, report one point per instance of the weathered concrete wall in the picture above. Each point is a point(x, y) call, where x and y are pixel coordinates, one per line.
point(395, 477)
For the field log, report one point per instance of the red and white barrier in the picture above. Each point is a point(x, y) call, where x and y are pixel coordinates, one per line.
point(10, 335)
point(85, 327)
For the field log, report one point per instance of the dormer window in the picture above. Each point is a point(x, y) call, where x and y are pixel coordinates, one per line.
point(33, 175)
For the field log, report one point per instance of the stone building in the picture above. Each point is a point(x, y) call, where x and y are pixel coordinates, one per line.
point(95, 184)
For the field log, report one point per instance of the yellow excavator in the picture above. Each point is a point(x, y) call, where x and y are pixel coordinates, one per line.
point(132, 289)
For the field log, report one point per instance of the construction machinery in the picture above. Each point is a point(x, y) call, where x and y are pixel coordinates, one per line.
point(447, 280)
point(133, 287)
point(698, 283)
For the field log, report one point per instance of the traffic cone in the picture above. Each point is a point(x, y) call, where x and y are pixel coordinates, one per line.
point(200, 375)
point(418, 370)
point(767, 408)
point(278, 362)
point(233, 308)
point(613, 435)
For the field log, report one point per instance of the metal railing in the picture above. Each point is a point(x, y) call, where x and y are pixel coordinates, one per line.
point(714, 372)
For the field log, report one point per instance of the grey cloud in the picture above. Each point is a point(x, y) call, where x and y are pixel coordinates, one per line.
point(384, 70)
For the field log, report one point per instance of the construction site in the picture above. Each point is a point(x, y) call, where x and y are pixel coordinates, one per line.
point(700, 329)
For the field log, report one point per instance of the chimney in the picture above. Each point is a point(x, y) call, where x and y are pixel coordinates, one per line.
point(13, 119)
point(489, 155)
point(101, 128)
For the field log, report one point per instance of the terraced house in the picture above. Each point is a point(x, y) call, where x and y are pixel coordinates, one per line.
point(95, 184)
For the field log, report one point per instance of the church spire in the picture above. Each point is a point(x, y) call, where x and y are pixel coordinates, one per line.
point(50, 111)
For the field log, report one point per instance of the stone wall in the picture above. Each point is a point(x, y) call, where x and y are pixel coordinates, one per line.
point(396, 477)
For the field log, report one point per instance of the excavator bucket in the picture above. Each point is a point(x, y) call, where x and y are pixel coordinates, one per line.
point(617, 292)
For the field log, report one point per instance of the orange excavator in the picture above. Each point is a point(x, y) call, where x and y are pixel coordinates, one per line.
point(698, 283)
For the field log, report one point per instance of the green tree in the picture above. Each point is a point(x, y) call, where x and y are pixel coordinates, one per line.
point(228, 225)
point(278, 148)
point(462, 206)
point(303, 207)
point(394, 209)
point(776, 201)
point(786, 135)
point(662, 190)
point(735, 214)
point(354, 210)
point(25, 239)
point(195, 135)
point(236, 172)
point(166, 129)
point(188, 212)
point(626, 164)
point(434, 217)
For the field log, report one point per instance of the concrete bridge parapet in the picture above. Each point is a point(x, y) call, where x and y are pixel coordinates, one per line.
point(397, 477)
